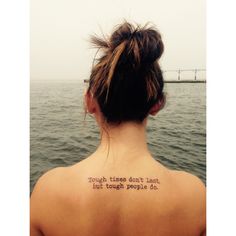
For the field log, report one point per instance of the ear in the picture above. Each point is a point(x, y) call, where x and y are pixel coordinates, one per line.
point(156, 107)
point(90, 102)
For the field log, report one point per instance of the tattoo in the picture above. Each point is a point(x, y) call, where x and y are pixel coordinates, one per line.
point(123, 183)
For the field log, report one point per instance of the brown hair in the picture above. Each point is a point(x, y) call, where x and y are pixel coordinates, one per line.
point(127, 80)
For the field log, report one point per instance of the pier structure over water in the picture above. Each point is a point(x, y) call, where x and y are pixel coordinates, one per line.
point(178, 73)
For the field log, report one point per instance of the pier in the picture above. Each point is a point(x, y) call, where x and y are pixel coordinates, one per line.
point(195, 73)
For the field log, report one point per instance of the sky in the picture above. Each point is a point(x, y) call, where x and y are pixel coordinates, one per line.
point(60, 31)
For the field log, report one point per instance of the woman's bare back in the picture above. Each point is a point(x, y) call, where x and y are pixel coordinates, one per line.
point(141, 198)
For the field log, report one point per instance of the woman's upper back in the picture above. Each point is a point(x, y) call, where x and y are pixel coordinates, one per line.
point(142, 198)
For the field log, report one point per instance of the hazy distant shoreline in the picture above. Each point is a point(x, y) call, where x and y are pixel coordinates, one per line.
point(185, 81)
point(85, 81)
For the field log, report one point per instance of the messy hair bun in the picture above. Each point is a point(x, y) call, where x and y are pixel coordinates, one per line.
point(127, 80)
point(142, 45)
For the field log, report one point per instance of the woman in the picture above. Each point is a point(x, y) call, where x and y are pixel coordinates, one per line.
point(120, 189)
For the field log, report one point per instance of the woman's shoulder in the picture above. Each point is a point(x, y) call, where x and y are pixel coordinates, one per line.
point(188, 184)
point(49, 184)
point(45, 200)
point(192, 192)
point(57, 193)
point(59, 182)
point(182, 181)
point(55, 179)
point(188, 181)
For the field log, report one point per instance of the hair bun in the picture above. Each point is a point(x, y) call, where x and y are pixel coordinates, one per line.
point(152, 46)
point(143, 45)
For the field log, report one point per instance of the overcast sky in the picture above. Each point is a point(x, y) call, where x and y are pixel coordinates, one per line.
point(60, 31)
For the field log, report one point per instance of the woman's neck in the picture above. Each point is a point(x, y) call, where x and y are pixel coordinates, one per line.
point(124, 142)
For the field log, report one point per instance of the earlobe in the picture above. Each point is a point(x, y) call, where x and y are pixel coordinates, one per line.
point(156, 107)
point(153, 111)
point(90, 103)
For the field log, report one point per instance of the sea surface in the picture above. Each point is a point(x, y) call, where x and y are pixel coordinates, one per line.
point(59, 136)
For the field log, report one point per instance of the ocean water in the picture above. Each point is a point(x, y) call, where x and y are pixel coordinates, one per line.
point(59, 136)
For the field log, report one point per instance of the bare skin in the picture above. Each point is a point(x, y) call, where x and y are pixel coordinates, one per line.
point(64, 203)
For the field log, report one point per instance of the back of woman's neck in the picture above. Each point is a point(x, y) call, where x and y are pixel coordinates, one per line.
point(127, 140)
